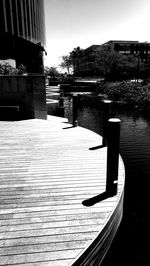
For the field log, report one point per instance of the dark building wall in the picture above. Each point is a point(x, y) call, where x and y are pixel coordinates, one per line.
point(22, 32)
point(26, 92)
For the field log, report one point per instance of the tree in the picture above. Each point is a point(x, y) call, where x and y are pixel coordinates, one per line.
point(51, 71)
point(115, 66)
point(106, 60)
point(146, 73)
point(75, 57)
point(66, 63)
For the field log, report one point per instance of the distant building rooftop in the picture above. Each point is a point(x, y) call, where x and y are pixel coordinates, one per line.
point(120, 41)
point(94, 47)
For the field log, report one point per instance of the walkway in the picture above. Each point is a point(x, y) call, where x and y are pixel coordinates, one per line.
point(47, 170)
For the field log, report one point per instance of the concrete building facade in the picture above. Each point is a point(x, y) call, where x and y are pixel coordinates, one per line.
point(22, 38)
point(22, 33)
point(87, 64)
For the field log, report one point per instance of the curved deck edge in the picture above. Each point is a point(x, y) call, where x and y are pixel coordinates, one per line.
point(95, 252)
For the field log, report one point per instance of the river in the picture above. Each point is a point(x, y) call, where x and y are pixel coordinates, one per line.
point(131, 241)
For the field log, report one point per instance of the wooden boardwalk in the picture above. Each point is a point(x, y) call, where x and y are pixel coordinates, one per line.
point(46, 171)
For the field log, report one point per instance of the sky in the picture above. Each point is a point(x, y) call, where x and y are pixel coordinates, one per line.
point(73, 23)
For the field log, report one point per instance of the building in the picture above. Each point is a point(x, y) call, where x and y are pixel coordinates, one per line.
point(130, 47)
point(22, 39)
point(87, 65)
point(22, 33)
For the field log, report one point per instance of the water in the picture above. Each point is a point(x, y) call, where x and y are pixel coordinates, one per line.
point(131, 242)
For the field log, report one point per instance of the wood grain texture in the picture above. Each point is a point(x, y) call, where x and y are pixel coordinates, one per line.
point(46, 171)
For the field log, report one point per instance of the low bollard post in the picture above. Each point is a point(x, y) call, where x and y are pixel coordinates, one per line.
point(61, 101)
point(106, 116)
point(75, 110)
point(113, 156)
point(61, 105)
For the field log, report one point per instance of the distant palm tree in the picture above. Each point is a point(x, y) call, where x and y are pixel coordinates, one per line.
point(75, 57)
point(66, 63)
point(51, 71)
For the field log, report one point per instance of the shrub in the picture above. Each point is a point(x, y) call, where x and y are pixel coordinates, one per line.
point(6, 69)
point(131, 93)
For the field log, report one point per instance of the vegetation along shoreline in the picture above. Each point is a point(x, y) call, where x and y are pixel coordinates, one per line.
point(134, 95)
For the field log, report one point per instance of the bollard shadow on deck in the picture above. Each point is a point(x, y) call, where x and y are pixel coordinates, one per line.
point(92, 201)
point(71, 126)
point(96, 147)
point(68, 127)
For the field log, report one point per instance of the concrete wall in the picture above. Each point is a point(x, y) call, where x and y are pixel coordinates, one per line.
point(27, 92)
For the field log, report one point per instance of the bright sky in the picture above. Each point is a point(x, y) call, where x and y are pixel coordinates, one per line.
point(72, 23)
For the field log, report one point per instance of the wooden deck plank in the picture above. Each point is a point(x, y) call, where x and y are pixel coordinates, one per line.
point(47, 170)
point(63, 262)
point(49, 219)
point(47, 239)
point(43, 256)
point(49, 247)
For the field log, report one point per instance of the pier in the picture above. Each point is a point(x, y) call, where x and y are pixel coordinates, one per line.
point(48, 169)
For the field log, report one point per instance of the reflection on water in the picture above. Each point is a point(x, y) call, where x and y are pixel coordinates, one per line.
point(129, 245)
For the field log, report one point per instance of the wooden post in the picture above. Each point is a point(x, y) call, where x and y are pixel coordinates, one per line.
point(75, 110)
point(61, 109)
point(113, 156)
point(61, 102)
point(106, 116)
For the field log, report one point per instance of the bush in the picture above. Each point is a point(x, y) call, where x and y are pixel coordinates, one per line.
point(6, 69)
point(134, 94)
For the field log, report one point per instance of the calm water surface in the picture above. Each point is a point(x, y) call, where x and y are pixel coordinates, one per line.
point(131, 242)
